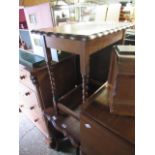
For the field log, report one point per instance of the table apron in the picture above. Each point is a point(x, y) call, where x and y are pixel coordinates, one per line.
point(71, 46)
point(99, 43)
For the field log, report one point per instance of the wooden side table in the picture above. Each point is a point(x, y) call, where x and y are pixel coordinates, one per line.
point(83, 39)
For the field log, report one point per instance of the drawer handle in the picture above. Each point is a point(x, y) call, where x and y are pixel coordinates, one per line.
point(36, 120)
point(22, 77)
point(22, 106)
point(27, 93)
point(87, 126)
point(32, 107)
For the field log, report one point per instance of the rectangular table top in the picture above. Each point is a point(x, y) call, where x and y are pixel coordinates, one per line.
point(84, 30)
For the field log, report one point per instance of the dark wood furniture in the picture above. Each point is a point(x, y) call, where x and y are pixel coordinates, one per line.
point(67, 97)
point(103, 133)
point(99, 66)
point(121, 80)
point(34, 93)
point(83, 39)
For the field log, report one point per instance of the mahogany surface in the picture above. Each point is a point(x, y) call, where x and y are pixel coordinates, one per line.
point(84, 29)
point(122, 80)
point(101, 141)
point(107, 133)
point(66, 97)
point(83, 39)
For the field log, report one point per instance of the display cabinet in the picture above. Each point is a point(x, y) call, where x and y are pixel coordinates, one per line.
point(24, 33)
point(85, 12)
point(30, 18)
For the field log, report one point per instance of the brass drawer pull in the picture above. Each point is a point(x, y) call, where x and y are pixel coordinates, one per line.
point(22, 77)
point(27, 93)
point(36, 120)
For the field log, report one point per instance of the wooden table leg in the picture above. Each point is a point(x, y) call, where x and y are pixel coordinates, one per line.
point(85, 79)
point(84, 68)
point(48, 59)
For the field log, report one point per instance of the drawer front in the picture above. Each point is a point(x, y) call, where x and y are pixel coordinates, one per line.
point(24, 78)
point(27, 96)
point(95, 139)
point(32, 111)
point(30, 107)
point(41, 125)
point(28, 102)
point(36, 116)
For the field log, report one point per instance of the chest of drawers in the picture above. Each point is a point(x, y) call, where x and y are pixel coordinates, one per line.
point(34, 95)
